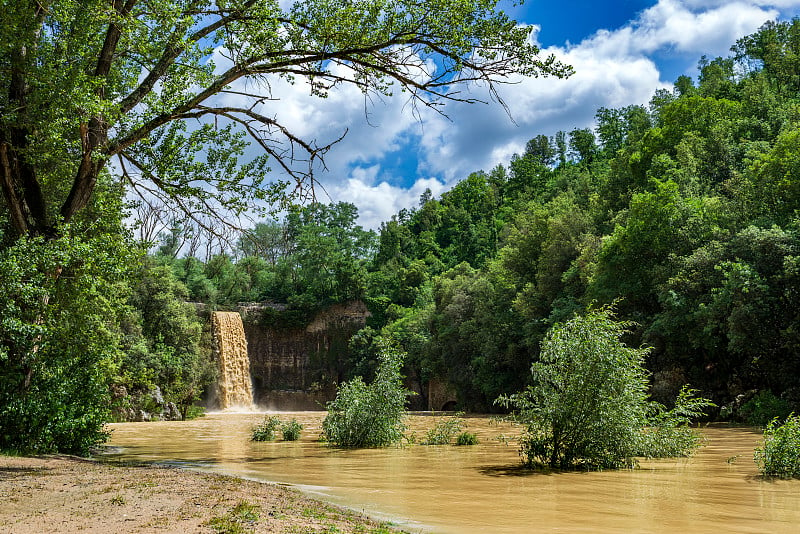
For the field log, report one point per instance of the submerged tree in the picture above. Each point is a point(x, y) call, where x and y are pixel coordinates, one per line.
point(588, 406)
point(369, 415)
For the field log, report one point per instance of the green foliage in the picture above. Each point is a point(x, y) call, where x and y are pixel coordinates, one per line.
point(667, 434)
point(444, 430)
point(763, 408)
point(291, 430)
point(265, 431)
point(466, 438)
point(587, 407)
point(371, 415)
point(60, 307)
point(588, 399)
point(162, 342)
point(685, 214)
point(780, 455)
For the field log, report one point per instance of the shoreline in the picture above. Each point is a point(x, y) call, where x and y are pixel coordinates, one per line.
point(60, 493)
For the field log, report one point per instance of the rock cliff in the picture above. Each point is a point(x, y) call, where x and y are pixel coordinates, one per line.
point(296, 368)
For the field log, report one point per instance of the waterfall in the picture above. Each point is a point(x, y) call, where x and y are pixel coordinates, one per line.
point(235, 387)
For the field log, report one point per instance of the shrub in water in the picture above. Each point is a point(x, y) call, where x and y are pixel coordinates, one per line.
point(444, 430)
point(265, 431)
point(291, 430)
point(371, 415)
point(588, 405)
point(780, 456)
point(467, 438)
point(667, 434)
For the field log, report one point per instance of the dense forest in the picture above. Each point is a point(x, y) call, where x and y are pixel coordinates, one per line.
point(682, 214)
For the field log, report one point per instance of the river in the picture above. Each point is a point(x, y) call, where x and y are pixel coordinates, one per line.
point(449, 489)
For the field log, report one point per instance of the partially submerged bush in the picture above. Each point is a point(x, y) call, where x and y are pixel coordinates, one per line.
point(467, 438)
point(265, 431)
point(444, 430)
point(780, 455)
point(291, 430)
point(371, 415)
point(588, 405)
point(667, 434)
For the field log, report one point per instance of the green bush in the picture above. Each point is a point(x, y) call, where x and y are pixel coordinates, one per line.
point(780, 455)
point(371, 415)
point(667, 434)
point(61, 301)
point(467, 438)
point(291, 430)
point(763, 408)
point(588, 406)
point(265, 431)
point(444, 431)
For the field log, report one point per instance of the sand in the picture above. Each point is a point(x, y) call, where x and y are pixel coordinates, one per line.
point(66, 494)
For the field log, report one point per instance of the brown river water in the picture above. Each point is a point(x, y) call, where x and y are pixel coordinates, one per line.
point(482, 488)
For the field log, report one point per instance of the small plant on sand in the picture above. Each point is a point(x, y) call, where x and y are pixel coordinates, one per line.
point(239, 520)
point(291, 430)
point(780, 455)
point(467, 438)
point(265, 431)
point(444, 430)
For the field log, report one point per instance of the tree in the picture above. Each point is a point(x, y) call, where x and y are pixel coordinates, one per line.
point(588, 406)
point(165, 350)
point(775, 48)
point(582, 145)
point(83, 83)
point(540, 149)
point(587, 401)
point(59, 340)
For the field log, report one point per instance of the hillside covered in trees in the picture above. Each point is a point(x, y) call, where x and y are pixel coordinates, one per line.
point(682, 214)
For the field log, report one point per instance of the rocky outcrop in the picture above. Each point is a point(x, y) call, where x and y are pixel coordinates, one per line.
point(296, 368)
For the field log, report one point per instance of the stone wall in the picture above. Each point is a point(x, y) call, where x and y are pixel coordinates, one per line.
point(296, 368)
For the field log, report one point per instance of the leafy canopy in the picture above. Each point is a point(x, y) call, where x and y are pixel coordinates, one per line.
point(173, 92)
point(780, 454)
point(369, 415)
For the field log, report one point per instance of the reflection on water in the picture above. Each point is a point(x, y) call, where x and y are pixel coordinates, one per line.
point(482, 488)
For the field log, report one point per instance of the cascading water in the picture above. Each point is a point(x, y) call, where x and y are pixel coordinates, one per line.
point(235, 386)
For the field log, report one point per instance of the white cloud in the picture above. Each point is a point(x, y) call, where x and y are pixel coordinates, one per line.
point(672, 23)
point(613, 68)
point(378, 202)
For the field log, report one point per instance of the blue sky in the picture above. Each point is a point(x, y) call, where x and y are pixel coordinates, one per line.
point(622, 52)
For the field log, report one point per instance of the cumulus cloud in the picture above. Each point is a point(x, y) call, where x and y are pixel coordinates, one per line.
point(377, 202)
point(711, 31)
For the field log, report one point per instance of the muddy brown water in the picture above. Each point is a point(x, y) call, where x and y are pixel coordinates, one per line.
point(482, 488)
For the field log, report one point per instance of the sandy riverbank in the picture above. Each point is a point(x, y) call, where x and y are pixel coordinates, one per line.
point(64, 494)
